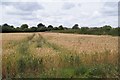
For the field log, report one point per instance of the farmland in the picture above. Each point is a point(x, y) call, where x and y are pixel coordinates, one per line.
point(58, 55)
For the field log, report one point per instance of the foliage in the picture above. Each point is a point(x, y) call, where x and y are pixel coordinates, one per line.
point(105, 30)
point(75, 26)
point(60, 27)
point(40, 25)
point(50, 27)
point(24, 26)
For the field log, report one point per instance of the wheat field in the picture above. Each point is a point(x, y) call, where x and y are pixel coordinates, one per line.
point(58, 55)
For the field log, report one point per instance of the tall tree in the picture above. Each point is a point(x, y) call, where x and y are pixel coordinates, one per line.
point(75, 26)
point(107, 28)
point(56, 28)
point(24, 26)
point(7, 28)
point(33, 29)
point(0, 28)
point(61, 27)
point(5, 25)
point(50, 27)
point(40, 25)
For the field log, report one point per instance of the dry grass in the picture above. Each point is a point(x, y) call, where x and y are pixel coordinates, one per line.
point(0, 56)
point(86, 43)
point(59, 55)
point(14, 36)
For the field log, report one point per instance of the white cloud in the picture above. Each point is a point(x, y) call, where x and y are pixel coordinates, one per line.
point(60, 0)
point(68, 5)
point(60, 13)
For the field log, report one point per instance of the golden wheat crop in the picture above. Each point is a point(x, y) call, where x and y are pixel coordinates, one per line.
point(58, 55)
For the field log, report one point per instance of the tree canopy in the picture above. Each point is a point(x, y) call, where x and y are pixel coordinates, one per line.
point(60, 27)
point(105, 30)
point(75, 26)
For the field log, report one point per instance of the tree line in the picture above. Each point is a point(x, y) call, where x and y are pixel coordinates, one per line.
point(104, 30)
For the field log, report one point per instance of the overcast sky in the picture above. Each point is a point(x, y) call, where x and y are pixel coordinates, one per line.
point(59, 12)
